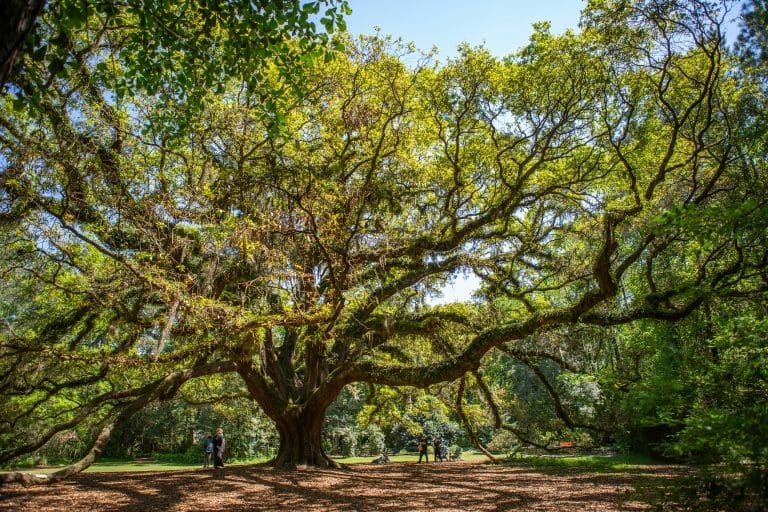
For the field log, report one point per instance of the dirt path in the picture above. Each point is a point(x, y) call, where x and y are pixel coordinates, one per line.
point(451, 486)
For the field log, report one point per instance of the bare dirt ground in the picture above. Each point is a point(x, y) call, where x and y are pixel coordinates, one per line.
point(450, 486)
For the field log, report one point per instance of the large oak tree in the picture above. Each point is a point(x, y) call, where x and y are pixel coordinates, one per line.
point(140, 261)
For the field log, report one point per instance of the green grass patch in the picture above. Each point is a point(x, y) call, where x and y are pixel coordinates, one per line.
point(116, 466)
point(602, 463)
point(407, 457)
point(122, 465)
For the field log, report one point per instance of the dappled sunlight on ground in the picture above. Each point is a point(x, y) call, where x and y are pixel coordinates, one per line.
point(449, 486)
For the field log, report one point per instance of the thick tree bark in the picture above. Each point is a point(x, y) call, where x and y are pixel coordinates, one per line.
point(16, 20)
point(301, 439)
point(297, 409)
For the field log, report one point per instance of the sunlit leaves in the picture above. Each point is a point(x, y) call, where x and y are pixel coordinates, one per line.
point(180, 52)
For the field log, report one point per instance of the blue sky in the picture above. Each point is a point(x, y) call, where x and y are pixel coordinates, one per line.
point(503, 25)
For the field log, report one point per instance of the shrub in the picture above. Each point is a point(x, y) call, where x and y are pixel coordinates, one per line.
point(348, 445)
point(504, 442)
point(371, 441)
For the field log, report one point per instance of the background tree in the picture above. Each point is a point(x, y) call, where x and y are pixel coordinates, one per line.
point(752, 42)
point(590, 179)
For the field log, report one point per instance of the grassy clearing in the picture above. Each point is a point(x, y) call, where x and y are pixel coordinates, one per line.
point(408, 457)
point(116, 466)
point(599, 463)
point(592, 463)
point(121, 465)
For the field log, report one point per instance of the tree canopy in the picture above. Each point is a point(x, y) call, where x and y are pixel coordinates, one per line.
point(596, 178)
point(174, 51)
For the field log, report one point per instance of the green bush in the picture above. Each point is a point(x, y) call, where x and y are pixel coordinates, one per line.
point(371, 441)
point(504, 442)
point(349, 445)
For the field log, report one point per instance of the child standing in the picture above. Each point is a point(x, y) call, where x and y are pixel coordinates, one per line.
point(208, 451)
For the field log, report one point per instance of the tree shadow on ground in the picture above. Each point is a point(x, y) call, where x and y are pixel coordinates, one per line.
point(400, 486)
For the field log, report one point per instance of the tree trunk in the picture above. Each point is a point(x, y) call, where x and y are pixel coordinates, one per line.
point(16, 20)
point(301, 439)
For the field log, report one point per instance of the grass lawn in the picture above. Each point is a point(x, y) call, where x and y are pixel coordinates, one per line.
point(122, 465)
point(616, 463)
point(113, 466)
point(594, 463)
point(408, 457)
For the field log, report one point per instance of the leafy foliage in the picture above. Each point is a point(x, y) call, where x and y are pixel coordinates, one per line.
point(178, 52)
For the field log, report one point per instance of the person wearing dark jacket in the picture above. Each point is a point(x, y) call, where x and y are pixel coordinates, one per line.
point(218, 448)
point(438, 444)
point(422, 447)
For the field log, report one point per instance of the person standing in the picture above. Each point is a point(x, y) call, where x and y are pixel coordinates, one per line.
point(422, 447)
point(218, 449)
point(208, 451)
point(438, 445)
